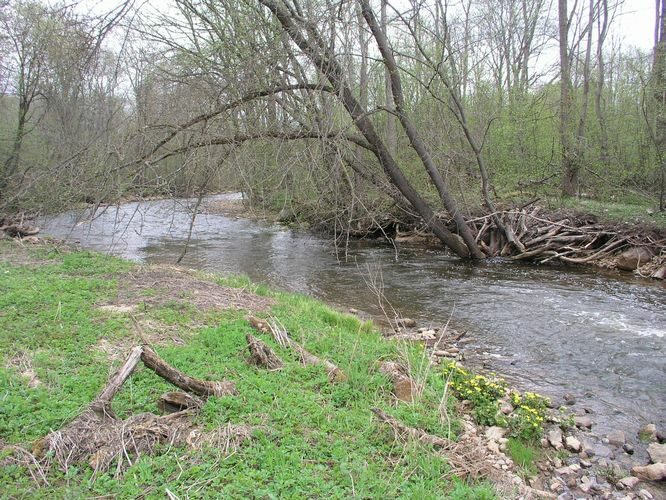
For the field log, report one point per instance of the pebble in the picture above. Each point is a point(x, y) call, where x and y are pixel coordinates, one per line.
point(584, 463)
point(628, 448)
point(645, 494)
point(407, 322)
point(616, 438)
point(629, 482)
point(569, 399)
point(554, 437)
point(572, 444)
point(657, 453)
point(583, 422)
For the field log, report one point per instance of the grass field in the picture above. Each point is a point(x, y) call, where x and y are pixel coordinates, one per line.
point(311, 438)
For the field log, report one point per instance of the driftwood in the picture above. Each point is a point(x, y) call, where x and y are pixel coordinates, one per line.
point(98, 437)
point(335, 374)
point(262, 355)
point(199, 387)
point(404, 387)
point(405, 432)
point(173, 402)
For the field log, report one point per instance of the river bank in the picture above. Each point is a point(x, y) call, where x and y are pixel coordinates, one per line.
point(103, 306)
point(549, 236)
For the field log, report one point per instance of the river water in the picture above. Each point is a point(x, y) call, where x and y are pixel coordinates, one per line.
point(598, 335)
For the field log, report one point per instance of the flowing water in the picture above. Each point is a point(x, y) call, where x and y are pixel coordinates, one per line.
point(598, 335)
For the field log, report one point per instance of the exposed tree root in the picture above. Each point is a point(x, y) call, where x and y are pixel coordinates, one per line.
point(99, 438)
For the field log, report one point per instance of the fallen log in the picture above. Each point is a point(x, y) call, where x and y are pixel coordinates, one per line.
point(335, 374)
point(202, 388)
point(262, 355)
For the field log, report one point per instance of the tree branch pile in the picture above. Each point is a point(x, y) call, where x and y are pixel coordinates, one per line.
point(99, 438)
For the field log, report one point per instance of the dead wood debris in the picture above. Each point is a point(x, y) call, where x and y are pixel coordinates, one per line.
point(404, 387)
point(465, 460)
point(335, 374)
point(262, 355)
point(99, 438)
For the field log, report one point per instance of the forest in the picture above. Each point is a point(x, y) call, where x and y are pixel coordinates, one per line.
point(359, 118)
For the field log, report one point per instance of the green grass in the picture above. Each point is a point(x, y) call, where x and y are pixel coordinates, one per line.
point(523, 455)
point(316, 439)
point(632, 211)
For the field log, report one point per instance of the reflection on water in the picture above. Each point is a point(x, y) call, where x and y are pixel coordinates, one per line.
point(599, 336)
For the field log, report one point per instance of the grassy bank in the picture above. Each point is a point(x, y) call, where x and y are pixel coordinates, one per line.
point(68, 319)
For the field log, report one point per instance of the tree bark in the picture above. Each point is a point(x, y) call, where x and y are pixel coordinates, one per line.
point(568, 163)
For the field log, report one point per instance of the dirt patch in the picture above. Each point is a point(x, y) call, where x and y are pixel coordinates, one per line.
point(20, 251)
point(157, 286)
point(22, 363)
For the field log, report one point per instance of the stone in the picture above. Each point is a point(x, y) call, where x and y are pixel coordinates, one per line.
point(585, 464)
point(407, 322)
point(657, 453)
point(648, 432)
point(628, 448)
point(495, 433)
point(583, 422)
point(569, 399)
point(564, 471)
point(556, 486)
point(629, 482)
point(505, 407)
point(493, 446)
point(353, 311)
point(660, 273)
point(616, 438)
point(653, 472)
point(554, 437)
point(645, 494)
point(661, 437)
point(633, 258)
point(572, 444)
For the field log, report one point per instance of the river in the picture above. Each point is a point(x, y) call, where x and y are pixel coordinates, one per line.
point(598, 335)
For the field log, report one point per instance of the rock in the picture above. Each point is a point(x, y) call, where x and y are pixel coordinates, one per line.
point(495, 433)
point(493, 446)
point(407, 322)
point(633, 258)
point(629, 482)
point(353, 311)
point(648, 432)
point(583, 422)
point(505, 407)
point(556, 486)
point(554, 437)
point(569, 399)
point(585, 464)
point(616, 438)
point(660, 273)
point(657, 453)
point(654, 472)
point(628, 448)
point(572, 444)
point(645, 495)
point(572, 482)
point(564, 471)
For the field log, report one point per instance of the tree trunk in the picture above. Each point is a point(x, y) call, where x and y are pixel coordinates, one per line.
point(329, 67)
point(568, 163)
point(391, 135)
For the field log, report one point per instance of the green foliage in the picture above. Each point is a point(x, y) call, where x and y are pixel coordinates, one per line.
point(523, 455)
point(482, 392)
point(528, 416)
point(312, 439)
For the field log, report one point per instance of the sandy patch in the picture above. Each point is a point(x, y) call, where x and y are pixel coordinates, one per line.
point(157, 286)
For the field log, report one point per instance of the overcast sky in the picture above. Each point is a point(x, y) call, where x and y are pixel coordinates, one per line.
point(634, 24)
